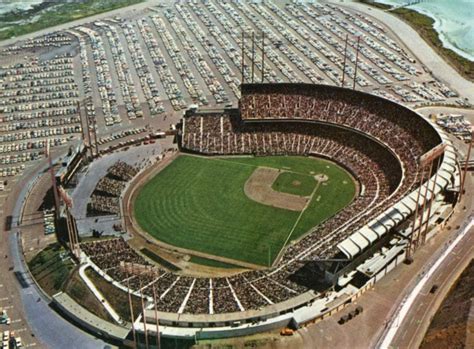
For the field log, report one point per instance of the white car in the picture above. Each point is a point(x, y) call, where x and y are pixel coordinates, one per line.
point(6, 335)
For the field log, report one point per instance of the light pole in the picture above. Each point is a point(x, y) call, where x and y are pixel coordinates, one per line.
point(466, 164)
point(344, 64)
point(356, 63)
point(269, 256)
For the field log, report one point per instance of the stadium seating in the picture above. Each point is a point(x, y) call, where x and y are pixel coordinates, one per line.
point(378, 141)
point(105, 197)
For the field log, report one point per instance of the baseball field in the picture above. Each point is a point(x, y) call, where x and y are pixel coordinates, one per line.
point(241, 208)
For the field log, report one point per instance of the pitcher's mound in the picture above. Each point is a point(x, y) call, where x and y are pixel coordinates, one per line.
point(259, 188)
point(321, 177)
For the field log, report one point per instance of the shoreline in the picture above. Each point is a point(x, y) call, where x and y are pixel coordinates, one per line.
point(438, 27)
point(424, 25)
point(66, 13)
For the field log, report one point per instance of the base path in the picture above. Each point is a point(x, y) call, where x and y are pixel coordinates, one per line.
point(259, 188)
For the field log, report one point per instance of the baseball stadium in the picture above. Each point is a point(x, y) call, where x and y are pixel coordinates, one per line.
point(234, 174)
point(283, 210)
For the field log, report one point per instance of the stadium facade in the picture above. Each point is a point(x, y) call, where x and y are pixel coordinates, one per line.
point(402, 199)
point(408, 180)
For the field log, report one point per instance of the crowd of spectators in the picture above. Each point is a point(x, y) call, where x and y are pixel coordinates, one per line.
point(110, 186)
point(122, 171)
point(250, 290)
point(103, 205)
point(370, 159)
point(378, 146)
point(105, 198)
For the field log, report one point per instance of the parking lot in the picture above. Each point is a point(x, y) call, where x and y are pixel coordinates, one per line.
point(145, 68)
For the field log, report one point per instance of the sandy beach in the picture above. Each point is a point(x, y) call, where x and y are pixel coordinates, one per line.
point(452, 22)
point(419, 47)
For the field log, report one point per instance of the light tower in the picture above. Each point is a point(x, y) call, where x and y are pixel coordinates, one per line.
point(87, 126)
point(242, 81)
point(71, 224)
point(466, 164)
point(54, 185)
point(263, 56)
point(426, 161)
point(356, 62)
point(345, 60)
point(253, 55)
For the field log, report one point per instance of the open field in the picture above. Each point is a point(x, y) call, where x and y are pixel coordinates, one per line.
point(452, 322)
point(49, 13)
point(199, 204)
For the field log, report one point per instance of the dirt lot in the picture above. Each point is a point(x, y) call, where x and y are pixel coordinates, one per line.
point(450, 325)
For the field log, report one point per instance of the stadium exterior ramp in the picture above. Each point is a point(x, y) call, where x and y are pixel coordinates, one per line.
point(446, 177)
point(89, 321)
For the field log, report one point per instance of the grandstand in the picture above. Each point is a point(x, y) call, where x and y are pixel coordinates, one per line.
point(379, 141)
point(105, 198)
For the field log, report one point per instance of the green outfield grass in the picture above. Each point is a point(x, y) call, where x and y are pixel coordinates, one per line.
point(294, 183)
point(199, 204)
point(212, 263)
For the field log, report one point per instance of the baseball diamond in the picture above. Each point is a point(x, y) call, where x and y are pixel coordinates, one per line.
point(215, 205)
point(197, 174)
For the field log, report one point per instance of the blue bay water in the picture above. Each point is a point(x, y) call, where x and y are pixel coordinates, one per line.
point(17, 5)
point(454, 21)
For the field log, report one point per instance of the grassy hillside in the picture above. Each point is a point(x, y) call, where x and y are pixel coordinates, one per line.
point(50, 13)
point(51, 268)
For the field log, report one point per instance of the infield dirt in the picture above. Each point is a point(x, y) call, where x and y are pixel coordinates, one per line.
point(259, 188)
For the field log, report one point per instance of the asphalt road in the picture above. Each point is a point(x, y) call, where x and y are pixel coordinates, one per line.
point(43, 326)
point(411, 330)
